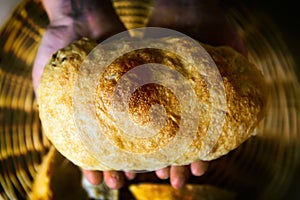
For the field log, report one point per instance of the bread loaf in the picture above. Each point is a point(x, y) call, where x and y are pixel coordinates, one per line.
point(113, 148)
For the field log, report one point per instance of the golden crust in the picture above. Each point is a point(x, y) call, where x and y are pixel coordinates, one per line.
point(245, 98)
point(55, 103)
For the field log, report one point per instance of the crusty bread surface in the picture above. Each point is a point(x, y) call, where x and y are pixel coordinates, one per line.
point(245, 97)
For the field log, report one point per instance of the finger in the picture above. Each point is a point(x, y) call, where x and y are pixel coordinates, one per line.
point(163, 173)
point(130, 175)
point(198, 168)
point(94, 177)
point(113, 179)
point(179, 176)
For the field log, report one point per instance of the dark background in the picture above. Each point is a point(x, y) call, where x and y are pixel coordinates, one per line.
point(286, 16)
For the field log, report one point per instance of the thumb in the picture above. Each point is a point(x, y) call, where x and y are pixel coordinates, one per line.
point(90, 18)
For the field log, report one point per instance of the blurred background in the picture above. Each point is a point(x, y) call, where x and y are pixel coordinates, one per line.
point(6, 8)
point(277, 37)
point(285, 14)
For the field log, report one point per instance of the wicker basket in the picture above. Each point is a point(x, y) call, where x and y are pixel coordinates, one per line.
point(262, 167)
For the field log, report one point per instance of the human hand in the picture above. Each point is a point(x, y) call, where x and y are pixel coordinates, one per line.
point(71, 20)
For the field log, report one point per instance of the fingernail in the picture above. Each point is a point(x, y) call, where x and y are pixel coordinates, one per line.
point(94, 177)
point(199, 168)
point(114, 180)
point(178, 183)
point(130, 176)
